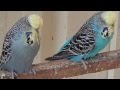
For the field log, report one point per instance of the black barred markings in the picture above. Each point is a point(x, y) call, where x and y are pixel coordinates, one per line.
point(6, 51)
point(81, 43)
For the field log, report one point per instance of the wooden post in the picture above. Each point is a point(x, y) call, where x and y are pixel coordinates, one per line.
point(113, 46)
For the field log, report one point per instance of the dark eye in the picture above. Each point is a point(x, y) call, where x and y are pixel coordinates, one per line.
point(105, 29)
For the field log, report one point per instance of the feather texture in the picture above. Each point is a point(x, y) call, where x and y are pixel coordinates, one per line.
point(20, 46)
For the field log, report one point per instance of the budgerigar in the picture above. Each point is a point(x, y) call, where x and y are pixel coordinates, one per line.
point(21, 44)
point(92, 37)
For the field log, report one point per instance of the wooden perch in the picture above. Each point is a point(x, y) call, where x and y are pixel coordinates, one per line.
point(64, 68)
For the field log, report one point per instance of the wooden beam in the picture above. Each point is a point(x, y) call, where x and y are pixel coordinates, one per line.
point(64, 68)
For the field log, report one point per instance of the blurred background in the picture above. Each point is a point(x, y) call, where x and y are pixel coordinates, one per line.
point(59, 26)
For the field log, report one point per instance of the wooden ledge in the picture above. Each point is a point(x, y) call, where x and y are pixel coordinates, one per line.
point(64, 68)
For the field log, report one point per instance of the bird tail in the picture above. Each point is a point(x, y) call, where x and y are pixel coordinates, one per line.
point(54, 58)
point(58, 56)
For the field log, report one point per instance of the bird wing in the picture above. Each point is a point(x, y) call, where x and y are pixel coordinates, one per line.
point(81, 43)
point(6, 50)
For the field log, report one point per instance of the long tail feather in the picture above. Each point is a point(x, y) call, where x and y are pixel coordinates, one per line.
point(60, 55)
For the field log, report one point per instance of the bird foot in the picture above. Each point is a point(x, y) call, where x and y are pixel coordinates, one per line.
point(91, 57)
point(7, 75)
point(84, 64)
point(14, 75)
point(32, 71)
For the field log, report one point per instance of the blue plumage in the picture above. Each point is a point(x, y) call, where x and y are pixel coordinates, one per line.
point(22, 55)
point(21, 45)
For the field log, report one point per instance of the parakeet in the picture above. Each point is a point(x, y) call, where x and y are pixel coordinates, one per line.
point(21, 44)
point(91, 38)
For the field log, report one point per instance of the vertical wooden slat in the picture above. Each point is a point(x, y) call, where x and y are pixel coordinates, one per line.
point(60, 30)
point(117, 71)
point(113, 46)
point(47, 35)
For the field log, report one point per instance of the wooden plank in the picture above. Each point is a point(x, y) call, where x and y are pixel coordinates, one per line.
point(64, 68)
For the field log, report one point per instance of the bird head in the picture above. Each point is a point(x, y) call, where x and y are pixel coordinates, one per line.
point(110, 19)
point(35, 21)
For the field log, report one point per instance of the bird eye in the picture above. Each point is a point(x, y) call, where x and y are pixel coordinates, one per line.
point(104, 33)
point(28, 34)
point(105, 29)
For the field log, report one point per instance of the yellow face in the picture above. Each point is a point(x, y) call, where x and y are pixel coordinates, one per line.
point(35, 21)
point(110, 18)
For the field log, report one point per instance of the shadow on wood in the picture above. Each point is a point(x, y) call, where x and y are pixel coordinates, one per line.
point(64, 68)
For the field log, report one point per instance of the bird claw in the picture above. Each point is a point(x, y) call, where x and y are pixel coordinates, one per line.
point(7, 75)
point(13, 75)
point(88, 59)
point(2, 76)
point(84, 65)
point(32, 71)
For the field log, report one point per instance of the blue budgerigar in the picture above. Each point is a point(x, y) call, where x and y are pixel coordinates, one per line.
point(21, 44)
point(92, 37)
